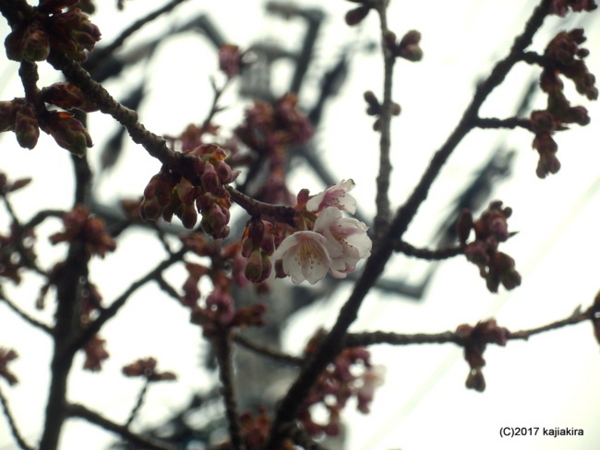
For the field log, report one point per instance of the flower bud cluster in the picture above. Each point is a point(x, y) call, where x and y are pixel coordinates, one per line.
point(258, 244)
point(6, 356)
point(408, 47)
point(564, 57)
point(15, 250)
point(217, 313)
point(267, 128)
point(230, 60)
point(561, 7)
point(19, 116)
point(146, 368)
point(374, 108)
point(490, 229)
point(169, 193)
point(350, 375)
point(95, 353)
point(474, 341)
point(91, 231)
point(325, 241)
point(70, 32)
point(255, 431)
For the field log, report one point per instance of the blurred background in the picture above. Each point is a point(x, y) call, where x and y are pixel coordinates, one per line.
point(164, 71)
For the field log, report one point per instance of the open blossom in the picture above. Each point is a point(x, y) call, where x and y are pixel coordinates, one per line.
point(336, 245)
point(304, 256)
point(347, 240)
point(337, 196)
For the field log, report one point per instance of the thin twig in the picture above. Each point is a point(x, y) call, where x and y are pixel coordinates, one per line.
point(511, 122)
point(425, 253)
point(167, 288)
point(101, 53)
point(265, 351)
point(382, 200)
point(381, 337)
point(12, 425)
point(76, 410)
point(26, 317)
point(222, 347)
point(138, 403)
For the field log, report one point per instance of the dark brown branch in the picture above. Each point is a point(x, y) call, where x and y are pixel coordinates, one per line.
point(511, 122)
point(257, 209)
point(145, 442)
point(425, 253)
point(12, 425)
point(138, 403)
point(23, 315)
point(222, 348)
point(100, 54)
point(536, 58)
point(332, 343)
point(265, 351)
point(382, 218)
point(381, 337)
point(408, 211)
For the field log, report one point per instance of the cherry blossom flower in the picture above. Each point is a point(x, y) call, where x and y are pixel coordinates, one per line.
point(336, 245)
point(337, 196)
point(346, 240)
point(304, 256)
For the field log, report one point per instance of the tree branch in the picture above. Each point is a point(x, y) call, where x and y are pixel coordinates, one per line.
point(116, 305)
point(332, 344)
point(511, 122)
point(222, 347)
point(382, 200)
point(12, 425)
point(23, 315)
point(425, 253)
point(100, 54)
point(148, 443)
point(265, 351)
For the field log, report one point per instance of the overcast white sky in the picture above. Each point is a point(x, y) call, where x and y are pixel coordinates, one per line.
point(550, 381)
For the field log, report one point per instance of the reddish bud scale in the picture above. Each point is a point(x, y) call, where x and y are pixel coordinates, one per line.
point(67, 96)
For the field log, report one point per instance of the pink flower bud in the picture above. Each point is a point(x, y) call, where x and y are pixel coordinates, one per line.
point(8, 114)
point(210, 179)
point(68, 132)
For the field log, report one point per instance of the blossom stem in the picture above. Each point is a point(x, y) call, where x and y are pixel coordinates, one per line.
point(382, 217)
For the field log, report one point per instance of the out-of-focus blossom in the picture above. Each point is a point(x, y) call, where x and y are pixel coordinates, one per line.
point(337, 196)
